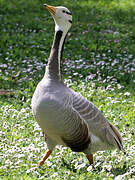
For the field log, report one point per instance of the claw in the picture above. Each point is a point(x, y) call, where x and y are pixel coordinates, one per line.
point(40, 163)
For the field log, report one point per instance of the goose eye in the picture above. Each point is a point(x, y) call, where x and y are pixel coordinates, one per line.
point(63, 11)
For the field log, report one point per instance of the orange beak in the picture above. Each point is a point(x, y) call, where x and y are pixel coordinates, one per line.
point(51, 9)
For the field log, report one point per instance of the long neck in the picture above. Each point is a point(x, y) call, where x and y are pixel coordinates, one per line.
point(53, 66)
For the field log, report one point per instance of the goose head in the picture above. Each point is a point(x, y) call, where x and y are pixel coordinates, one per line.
point(62, 17)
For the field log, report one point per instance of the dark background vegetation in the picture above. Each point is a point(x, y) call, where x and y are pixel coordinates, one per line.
point(102, 36)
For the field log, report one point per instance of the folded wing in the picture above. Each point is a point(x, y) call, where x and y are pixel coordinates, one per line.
point(97, 123)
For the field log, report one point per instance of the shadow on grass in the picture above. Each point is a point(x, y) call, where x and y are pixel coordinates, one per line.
point(119, 171)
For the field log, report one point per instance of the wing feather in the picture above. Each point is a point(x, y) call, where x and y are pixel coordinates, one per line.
point(97, 123)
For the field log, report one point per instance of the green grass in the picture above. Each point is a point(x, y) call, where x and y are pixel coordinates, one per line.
point(98, 62)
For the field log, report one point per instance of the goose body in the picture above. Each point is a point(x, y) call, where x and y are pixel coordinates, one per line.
point(65, 116)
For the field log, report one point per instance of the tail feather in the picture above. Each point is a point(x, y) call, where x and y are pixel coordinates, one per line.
point(117, 138)
point(117, 133)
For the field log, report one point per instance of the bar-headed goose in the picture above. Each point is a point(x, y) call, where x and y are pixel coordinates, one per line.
point(66, 117)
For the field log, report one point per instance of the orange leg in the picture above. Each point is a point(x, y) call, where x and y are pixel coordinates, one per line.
point(90, 158)
point(47, 154)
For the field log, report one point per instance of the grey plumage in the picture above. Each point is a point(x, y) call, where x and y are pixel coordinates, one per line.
point(65, 116)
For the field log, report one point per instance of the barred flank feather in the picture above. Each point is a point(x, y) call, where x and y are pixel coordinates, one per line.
point(80, 144)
